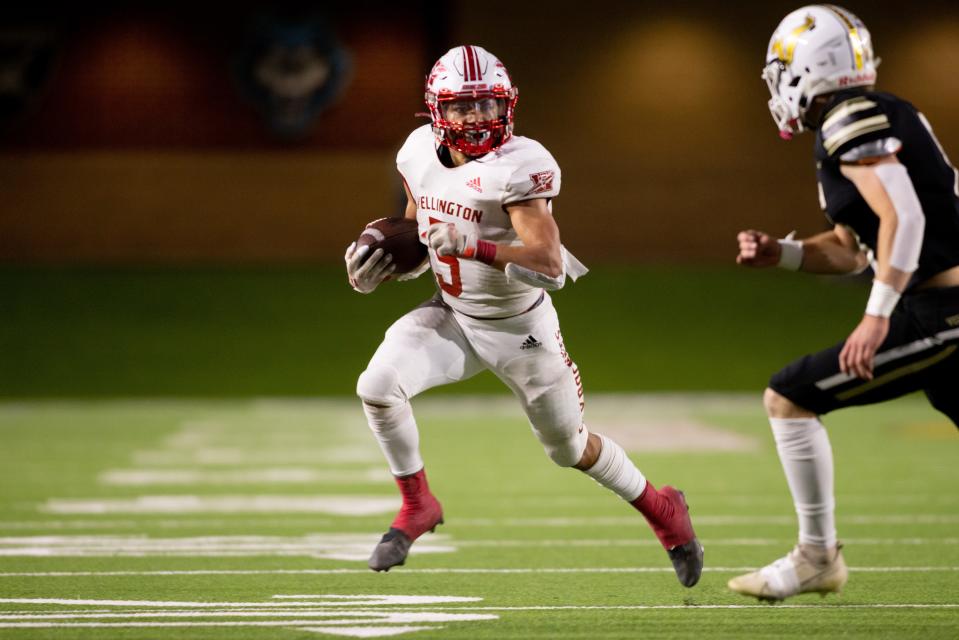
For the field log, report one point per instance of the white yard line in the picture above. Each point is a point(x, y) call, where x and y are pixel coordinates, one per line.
point(358, 615)
point(696, 607)
point(711, 541)
point(278, 602)
point(271, 518)
point(174, 522)
point(340, 505)
point(144, 543)
point(262, 476)
point(437, 570)
point(345, 546)
point(243, 623)
point(711, 520)
point(233, 456)
point(337, 599)
point(435, 614)
point(361, 615)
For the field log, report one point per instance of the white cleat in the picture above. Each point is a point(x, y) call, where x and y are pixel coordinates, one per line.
point(805, 569)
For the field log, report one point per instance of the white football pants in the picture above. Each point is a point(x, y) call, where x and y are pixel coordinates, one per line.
point(433, 345)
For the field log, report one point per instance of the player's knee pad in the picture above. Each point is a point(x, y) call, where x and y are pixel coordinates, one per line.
point(568, 451)
point(557, 421)
point(380, 385)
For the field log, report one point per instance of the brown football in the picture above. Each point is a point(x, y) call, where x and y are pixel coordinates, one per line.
point(398, 237)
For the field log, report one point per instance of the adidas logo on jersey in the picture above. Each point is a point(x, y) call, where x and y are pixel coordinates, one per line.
point(531, 343)
point(475, 184)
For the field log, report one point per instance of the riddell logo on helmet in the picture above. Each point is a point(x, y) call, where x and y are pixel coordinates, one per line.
point(859, 78)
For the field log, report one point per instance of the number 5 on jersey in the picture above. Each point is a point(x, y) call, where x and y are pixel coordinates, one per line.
point(452, 285)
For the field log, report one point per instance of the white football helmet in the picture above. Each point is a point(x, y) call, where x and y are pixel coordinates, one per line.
point(471, 100)
point(815, 50)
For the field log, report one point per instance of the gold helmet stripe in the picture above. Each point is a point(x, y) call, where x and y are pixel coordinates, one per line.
point(785, 51)
point(854, 38)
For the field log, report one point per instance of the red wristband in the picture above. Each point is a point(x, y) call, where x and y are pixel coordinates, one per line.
point(485, 251)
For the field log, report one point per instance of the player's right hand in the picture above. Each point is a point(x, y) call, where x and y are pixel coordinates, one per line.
point(758, 249)
point(367, 275)
point(446, 240)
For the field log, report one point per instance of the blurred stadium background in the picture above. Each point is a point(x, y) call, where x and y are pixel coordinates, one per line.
point(179, 182)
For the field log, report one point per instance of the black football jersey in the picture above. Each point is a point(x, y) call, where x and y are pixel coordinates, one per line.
point(857, 118)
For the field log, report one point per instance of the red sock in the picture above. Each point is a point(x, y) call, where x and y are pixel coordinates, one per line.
point(653, 505)
point(667, 515)
point(420, 511)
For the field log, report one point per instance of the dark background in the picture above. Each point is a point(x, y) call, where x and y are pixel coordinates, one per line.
point(158, 236)
point(140, 146)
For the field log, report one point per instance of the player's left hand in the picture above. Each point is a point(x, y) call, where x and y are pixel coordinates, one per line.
point(446, 240)
point(856, 357)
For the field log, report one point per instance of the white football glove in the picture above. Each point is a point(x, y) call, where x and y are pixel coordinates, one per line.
point(445, 240)
point(366, 276)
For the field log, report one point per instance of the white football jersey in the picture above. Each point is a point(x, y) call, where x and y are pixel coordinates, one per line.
point(474, 196)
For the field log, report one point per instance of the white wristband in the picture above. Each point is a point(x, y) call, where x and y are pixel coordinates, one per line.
point(790, 256)
point(882, 299)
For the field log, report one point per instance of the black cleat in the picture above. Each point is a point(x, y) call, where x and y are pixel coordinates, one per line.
point(688, 562)
point(391, 550)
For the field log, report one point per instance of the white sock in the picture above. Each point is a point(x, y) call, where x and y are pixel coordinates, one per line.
point(615, 471)
point(806, 456)
point(395, 430)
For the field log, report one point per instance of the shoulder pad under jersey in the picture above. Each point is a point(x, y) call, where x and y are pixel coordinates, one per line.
point(535, 173)
point(874, 149)
point(419, 139)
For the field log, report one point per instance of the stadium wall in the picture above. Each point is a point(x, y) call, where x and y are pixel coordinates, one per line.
point(140, 150)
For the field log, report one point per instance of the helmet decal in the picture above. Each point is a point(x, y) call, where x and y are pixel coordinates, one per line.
point(784, 51)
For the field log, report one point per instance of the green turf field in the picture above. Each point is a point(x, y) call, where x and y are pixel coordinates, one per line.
point(303, 332)
point(252, 518)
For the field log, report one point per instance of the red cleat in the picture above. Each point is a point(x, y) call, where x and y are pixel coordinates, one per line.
point(668, 516)
point(421, 512)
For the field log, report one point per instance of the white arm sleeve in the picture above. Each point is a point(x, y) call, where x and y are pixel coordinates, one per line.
point(907, 243)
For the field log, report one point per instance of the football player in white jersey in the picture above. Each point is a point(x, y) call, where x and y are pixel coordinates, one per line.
point(482, 198)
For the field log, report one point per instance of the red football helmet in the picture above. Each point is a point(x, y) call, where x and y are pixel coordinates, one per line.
point(471, 100)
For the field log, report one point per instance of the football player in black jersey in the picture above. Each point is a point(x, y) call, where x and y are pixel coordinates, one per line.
point(892, 198)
